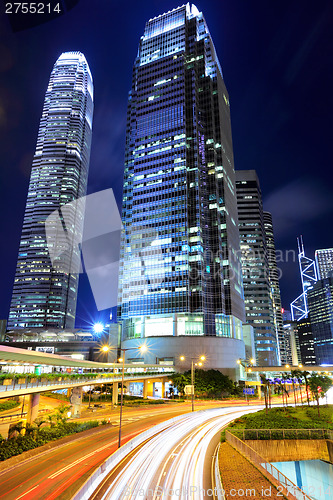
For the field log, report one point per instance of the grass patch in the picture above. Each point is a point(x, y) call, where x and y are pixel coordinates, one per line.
point(305, 417)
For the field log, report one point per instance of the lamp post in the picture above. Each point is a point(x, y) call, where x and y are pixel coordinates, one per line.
point(143, 349)
point(202, 358)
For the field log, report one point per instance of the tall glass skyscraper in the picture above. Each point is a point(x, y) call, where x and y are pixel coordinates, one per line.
point(180, 273)
point(44, 295)
point(256, 270)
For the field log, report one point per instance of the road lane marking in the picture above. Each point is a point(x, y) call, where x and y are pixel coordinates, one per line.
point(64, 469)
point(18, 498)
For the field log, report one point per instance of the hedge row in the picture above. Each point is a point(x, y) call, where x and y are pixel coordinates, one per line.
point(18, 445)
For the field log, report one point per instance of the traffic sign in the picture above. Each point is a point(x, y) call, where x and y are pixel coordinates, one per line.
point(248, 390)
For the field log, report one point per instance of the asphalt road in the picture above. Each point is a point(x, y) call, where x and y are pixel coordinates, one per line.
point(175, 463)
point(58, 473)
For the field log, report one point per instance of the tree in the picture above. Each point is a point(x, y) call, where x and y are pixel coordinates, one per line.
point(295, 374)
point(266, 383)
point(211, 383)
point(319, 385)
point(285, 377)
point(305, 375)
point(179, 380)
point(61, 414)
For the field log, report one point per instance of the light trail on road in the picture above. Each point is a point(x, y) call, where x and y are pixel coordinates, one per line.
point(171, 465)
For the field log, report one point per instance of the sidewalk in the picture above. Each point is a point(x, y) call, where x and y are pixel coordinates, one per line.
point(241, 479)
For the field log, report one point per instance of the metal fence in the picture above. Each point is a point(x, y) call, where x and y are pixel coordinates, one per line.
point(263, 434)
point(284, 485)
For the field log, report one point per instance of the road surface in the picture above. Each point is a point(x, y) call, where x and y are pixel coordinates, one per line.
point(176, 463)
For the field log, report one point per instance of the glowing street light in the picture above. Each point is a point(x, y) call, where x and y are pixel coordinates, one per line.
point(98, 327)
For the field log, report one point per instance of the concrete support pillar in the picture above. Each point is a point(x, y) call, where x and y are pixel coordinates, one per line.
point(33, 406)
point(163, 388)
point(259, 391)
point(145, 389)
point(114, 393)
point(76, 401)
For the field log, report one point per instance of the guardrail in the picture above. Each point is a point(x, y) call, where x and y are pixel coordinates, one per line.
point(218, 480)
point(20, 415)
point(264, 434)
point(271, 472)
point(78, 381)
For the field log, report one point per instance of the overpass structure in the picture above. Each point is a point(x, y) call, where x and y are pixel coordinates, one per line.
point(30, 373)
point(328, 369)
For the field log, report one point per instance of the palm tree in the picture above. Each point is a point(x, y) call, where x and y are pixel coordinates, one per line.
point(305, 375)
point(281, 389)
point(294, 374)
point(285, 377)
point(265, 382)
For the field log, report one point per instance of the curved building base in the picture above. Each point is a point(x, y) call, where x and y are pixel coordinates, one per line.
point(221, 353)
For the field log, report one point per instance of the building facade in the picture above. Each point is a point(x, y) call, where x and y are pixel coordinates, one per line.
point(306, 341)
point(45, 294)
point(180, 272)
point(324, 262)
point(274, 276)
point(258, 290)
point(320, 303)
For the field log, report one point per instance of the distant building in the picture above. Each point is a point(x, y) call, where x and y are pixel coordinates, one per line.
point(291, 342)
point(286, 315)
point(76, 343)
point(306, 342)
point(308, 271)
point(320, 302)
point(3, 325)
point(45, 295)
point(275, 287)
point(258, 290)
point(324, 261)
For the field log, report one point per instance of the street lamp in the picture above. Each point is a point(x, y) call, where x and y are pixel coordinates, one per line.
point(142, 349)
point(98, 327)
point(202, 358)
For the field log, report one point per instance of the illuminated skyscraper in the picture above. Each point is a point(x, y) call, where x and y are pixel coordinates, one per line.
point(308, 270)
point(320, 304)
point(258, 290)
point(324, 262)
point(283, 341)
point(45, 295)
point(180, 272)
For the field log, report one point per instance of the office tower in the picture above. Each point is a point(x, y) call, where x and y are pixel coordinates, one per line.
point(45, 295)
point(283, 343)
point(293, 353)
point(180, 272)
point(324, 262)
point(320, 304)
point(306, 341)
point(299, 307)
point(255, 267)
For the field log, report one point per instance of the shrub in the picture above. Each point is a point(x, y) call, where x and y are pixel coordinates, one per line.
point(18, 445)
point(8, 405)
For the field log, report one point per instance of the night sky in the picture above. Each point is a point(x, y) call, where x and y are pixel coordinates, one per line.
point(277, 61)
